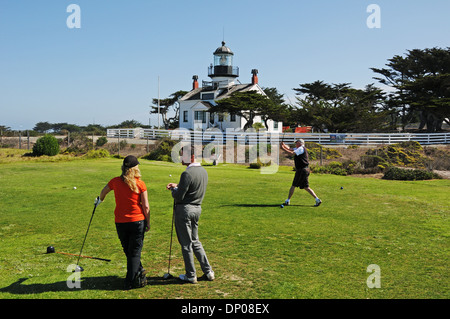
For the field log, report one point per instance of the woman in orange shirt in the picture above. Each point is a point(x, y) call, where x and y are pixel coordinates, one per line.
point(132, 217)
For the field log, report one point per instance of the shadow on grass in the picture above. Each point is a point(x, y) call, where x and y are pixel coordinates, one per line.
point(110, 283)
point(265, 205)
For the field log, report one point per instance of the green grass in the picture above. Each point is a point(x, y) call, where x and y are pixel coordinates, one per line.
point(257, 249)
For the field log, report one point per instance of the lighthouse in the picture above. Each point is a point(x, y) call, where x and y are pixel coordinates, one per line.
point(195, 105)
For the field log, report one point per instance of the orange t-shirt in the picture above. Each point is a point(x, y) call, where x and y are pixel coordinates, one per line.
point(128, 203)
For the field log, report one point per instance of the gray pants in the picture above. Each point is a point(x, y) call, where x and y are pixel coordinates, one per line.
point(186, 225)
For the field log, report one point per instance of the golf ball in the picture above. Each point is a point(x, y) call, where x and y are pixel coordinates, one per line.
point(170, 175)
point(74, 187)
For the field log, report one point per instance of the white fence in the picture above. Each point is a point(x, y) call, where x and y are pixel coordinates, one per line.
point(254, 138)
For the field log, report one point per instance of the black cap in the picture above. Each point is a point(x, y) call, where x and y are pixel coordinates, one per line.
point(130, 161)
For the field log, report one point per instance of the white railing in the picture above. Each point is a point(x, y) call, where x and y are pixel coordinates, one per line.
point(370, 138)
point(253, 138)
point(124, 133)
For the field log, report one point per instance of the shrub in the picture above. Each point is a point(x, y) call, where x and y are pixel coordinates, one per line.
point(101, 153)
point(371, 161)
point(314, 151)
point(411, 145)
point(396, 173)
point(334, 165)
point(334, 168)
point(327, 153)
point(46, 145)
point(258, 164)
point(346, 168)
point(401, 154)
point(101, 141)
point(123, 144)
point(163, 151)
point(80, 143)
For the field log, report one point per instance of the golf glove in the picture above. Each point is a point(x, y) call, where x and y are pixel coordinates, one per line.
point(97, 201)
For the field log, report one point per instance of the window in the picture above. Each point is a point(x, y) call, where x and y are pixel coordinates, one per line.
point(220, 117)
point(185, 116)
point(200, 116)
point(275, 125)
point(232, 117)
point(208, 96)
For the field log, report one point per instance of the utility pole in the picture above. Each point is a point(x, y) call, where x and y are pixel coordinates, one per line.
point(159, 126)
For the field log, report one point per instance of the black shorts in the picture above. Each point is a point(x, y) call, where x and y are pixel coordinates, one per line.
point(301, 178)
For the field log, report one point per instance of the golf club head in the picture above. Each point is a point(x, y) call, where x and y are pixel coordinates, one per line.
point(167, 276)
point(78, 268)
point(50, 249)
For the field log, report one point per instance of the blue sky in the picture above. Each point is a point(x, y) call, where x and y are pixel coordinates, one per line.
point(107, 71)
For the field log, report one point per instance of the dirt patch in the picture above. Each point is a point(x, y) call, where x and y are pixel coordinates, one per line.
point(137, 150)
point(443, 174)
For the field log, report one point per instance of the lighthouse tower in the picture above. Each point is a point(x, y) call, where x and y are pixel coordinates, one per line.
point(223, 73)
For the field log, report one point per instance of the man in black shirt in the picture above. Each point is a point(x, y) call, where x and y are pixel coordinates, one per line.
point(301, 161)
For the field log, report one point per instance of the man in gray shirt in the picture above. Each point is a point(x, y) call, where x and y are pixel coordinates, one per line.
point(188, 195)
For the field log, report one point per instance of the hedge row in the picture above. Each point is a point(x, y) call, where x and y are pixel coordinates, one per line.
point(396, 173)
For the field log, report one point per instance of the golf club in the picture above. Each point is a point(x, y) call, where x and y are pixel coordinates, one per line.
point(168, 275)
point(51, 249)
point(79, 268)
point(282, 141)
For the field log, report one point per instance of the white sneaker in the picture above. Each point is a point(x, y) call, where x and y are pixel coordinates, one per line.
point(189, 280)
point(210, 276)
point(318, 202)
point(287, 202)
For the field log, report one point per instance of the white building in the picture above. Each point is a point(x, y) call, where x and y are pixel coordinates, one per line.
point(195, 105)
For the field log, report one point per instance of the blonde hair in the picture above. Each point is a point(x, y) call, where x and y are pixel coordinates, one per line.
point(129, 176)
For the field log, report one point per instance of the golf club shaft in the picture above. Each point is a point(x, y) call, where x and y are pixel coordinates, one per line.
point(82, 256)
point(171, 235)
point(95, 206)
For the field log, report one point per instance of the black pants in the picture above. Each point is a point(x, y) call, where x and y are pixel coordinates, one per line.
point(131, 236)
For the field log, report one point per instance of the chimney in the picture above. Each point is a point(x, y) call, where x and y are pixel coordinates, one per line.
point(195, 83)
point(254, 77)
